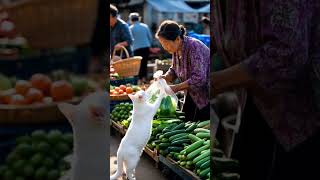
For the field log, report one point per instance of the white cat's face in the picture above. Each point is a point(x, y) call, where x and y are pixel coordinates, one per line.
point(140, 97)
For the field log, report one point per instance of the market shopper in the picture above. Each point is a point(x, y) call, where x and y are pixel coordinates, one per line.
point(206, 25)
point(271, 57)
point(191, 65)
point(142, 42)
point(120, 34)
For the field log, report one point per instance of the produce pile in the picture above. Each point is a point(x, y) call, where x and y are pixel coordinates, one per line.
point(113, 74)
point(122, 114)
point(224, 168)
point(38, 156)
point(187, 143)
point(43, 89)
point(123, 89)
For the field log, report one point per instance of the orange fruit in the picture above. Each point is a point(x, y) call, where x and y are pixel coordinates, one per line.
point(111, 91)
point(34, 95)
point(116, 93)
point(117, 89)
point(17, 99)
point(120, 91)
point(61, 90)
point(129, 90)
point(123, 87)
point(22, 87)
point(41, 82)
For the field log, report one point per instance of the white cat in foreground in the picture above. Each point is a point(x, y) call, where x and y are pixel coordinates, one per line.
point(90, 133)
point(138, 134)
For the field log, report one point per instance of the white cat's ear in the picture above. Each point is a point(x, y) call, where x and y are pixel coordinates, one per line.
point(68, 110)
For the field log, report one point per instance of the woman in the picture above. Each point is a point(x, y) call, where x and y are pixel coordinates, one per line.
point(191, 65)
point(269, 46)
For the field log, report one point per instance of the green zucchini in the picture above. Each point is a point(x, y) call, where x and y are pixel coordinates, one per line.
point(189, 163)
point(177, 136)
point(168, 128)
point(171, 133)
point(191, 128)
point(204, 172)
point(180, 138)
point(164, 145)
point(163, 140)
point(180, 126)
point(180, 142)
point(174, 149)
point(193, 138)
point(204, 151)
point(194, 146)
point(201, 156)
point(203, 135)
point(196, 152)
point(199, 163)
point(205, 165)
point(207, 142)
point(203, 123)
point(197, 130)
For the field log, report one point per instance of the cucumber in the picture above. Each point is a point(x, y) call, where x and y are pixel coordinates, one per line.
point(228, 176)
point(183, 157)
point(198, 171)
point(205, 165)
point(173, 121)
point(207, 142)
point(225, 165)
point(204, 172)
point(197, 151)
point(217, 153)
point(168, 128)
point(203, 123)
point(171, 133)
point(180, 126)
point(204, 151)
point(180, 138)
point(197, 130)
point(177, 136)
point(194, 146)
point(180, 142)
point(201, 156)
point(193, 138)
point(183, 152)
point(163, 140)
point(188, 166)
point(176, 155)
point(164, 145)
point(182, 163)
point(189, 163)
point(158, 136)
point(174, 149)
point(191, 128)
point(203, 135)
point(199, 163)
point(180, 113)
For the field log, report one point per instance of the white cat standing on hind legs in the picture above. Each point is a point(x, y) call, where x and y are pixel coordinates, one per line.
point(138, 134)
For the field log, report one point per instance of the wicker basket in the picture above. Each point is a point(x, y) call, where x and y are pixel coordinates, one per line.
point(32, 114)
point(54, 23)
point(126, 67)
point(119, 97)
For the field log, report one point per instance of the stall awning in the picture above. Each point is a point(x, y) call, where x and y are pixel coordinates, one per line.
point(204, 9)
point(171, 6)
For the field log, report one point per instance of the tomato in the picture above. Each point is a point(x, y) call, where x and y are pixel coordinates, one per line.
point(129, 90)
point(120, 91)
point(117, 89)
point(123, 87)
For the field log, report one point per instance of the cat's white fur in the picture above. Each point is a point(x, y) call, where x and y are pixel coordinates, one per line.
point(90, 133)
point(138, 134)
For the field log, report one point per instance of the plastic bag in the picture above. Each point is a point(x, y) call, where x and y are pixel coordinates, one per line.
point(160, 85)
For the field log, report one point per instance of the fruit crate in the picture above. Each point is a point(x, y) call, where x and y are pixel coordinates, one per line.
point(182, 172)
point(124, 81)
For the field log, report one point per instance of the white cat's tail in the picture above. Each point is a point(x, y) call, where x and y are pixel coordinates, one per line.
point(119, 169)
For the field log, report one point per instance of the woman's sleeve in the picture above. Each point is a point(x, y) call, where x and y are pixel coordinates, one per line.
point(200, 63)
point(279, 62)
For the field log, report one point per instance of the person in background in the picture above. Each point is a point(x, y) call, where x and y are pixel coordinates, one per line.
point(142, 42)
point(191, 65)
point(206, 25)
point(120, 34)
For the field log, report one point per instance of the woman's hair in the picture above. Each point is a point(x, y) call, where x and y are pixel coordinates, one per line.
point(170, 30)
point(113, 10)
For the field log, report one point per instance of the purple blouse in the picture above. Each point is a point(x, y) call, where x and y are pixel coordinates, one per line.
point(193, 67)
point(276, 40)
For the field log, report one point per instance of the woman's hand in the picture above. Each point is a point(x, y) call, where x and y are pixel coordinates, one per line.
point(175, 88)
